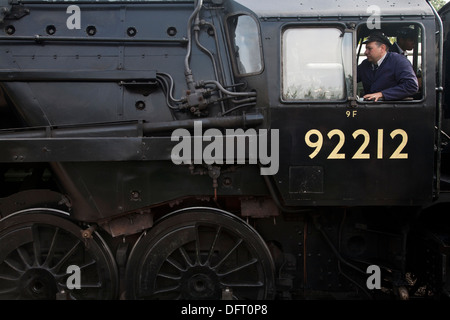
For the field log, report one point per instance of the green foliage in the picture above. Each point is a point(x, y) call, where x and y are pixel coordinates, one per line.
point(437, 4)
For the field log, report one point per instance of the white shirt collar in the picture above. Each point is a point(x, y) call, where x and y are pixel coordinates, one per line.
point(381, 60)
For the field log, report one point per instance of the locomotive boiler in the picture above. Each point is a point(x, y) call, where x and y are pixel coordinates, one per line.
point(218, 149)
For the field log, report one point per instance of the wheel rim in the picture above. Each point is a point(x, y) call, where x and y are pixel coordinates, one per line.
point(198, 254)
point(36, 250)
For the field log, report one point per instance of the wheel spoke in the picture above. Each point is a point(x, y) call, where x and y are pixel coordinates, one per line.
point(91, 285)
point(176, 264)
point(56, 268)
point(228, 254)
point(213, 246)
point(168, 290)
point(87, 264)
point(168, 276)
point(197, 246)
point(24, 256)
point(239, 268)
point(36, 247)
point(185, 256)
point(10, 290)
point(8, 277)
point(51, 250)
point(83, 266)
point(13, 265)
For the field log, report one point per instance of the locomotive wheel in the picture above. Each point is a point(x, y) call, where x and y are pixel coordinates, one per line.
point(203, 254)
point(36, 249)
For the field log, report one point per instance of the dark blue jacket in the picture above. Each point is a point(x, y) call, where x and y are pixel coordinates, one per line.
point(395, 77)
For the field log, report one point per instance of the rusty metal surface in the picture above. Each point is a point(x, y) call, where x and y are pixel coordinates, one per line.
point(259, 208)
point(129, 224)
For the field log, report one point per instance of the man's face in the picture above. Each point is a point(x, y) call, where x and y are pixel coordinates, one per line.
point(374, 51)
point(406, 44)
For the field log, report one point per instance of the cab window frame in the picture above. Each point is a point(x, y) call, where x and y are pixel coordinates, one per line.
point(231, 45)
point(420, 45)
point(347, 87)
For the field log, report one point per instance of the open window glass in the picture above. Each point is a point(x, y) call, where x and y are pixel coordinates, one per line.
point(316, 64)
point(245, 44)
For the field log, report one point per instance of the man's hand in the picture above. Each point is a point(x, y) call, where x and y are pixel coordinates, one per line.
point(373, 96)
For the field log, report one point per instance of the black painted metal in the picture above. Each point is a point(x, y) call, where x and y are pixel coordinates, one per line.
point(87, 113)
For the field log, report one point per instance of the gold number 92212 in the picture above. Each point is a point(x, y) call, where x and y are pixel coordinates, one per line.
point(314, 139)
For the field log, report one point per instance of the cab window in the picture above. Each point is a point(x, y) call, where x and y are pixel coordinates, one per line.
point(405, 39)
point(316, 64)
point(245, 44)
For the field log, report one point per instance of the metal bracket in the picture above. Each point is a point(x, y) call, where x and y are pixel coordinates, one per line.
point(9, 10)
point(352, 101)
point(5, 8)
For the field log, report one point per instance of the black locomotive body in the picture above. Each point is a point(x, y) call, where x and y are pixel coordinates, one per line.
point(218, 149)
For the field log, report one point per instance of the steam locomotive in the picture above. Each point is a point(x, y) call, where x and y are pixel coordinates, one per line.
point(219, 149)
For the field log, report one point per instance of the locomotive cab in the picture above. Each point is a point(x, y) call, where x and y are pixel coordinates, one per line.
point(336, 135)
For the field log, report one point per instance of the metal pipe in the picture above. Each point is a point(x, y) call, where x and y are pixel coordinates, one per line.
point(189, 35)
point(219, 56)
point(211, 56)
point(231, 93)
point(131, 129)
point(247, 120)
point(439, 91)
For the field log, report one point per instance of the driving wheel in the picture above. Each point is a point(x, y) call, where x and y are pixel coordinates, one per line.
point(44, 256)
point(200, 253)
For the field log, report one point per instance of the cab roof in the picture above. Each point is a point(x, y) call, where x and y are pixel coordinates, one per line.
point(298, 8)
